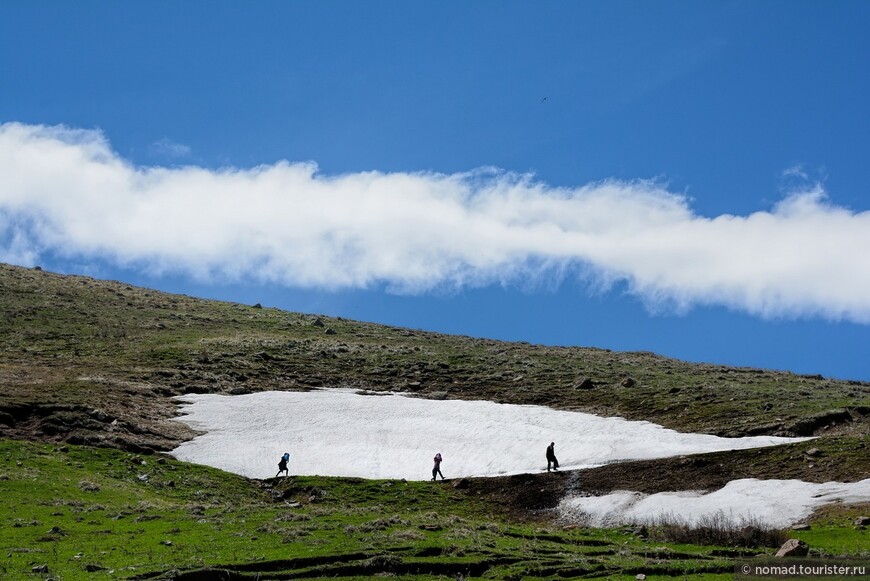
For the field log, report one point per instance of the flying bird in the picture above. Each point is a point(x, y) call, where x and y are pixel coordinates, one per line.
point(544, 99)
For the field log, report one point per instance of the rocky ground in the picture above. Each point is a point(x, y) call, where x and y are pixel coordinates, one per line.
point(96, 362)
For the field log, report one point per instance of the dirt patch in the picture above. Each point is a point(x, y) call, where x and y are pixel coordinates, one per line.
point(533, 496)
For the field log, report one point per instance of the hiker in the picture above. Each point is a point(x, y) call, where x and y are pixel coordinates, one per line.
point(437, 468)
point(551, 457)
point(282, 464)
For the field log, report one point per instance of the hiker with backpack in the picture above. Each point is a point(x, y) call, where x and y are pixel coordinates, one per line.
point(551, 457)
point(437, 468)
point(282, 465)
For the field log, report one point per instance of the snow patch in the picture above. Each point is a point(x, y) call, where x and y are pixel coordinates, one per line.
point(334, 432)
point(776, 503)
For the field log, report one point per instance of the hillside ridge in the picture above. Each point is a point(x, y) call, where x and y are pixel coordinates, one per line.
point(98, 362)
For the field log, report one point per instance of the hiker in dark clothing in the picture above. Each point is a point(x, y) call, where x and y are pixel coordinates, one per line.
point(437, 468)
point(551, 457)
point(282, 464)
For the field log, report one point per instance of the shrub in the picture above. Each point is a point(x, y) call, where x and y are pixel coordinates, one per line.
point(718, 529)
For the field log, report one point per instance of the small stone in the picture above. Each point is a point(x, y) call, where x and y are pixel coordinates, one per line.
point(93, 568)
point(40, 569)
point(628, 382)
point(793, 548)
point(258, 306)
point(166, 543)
point(583, 383)
point(813, 452)
point(862, 521)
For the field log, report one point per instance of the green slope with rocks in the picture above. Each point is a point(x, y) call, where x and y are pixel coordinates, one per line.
point(88, 370)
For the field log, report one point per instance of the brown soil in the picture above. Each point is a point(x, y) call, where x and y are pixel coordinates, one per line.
point(532, 496)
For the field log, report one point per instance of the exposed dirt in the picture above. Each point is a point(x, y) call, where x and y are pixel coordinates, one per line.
point(532, 496)
point(98, 363)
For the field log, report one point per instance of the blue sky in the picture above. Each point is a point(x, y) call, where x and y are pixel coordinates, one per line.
point(688, 178)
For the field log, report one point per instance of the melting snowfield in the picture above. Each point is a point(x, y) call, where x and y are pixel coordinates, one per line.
point(342, 433)
point(777, 503)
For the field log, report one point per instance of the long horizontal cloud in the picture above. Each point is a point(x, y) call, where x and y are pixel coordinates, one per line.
point(65, 191)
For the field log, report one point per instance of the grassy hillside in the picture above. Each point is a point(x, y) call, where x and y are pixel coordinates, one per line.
point(81, 513)
point(88, 369)
point(96, 362)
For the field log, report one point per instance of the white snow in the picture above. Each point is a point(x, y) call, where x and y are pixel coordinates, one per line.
point(777, 503)
point(341, 433)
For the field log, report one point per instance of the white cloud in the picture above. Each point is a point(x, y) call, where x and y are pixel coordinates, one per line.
point(167, 148)
point(67, 192)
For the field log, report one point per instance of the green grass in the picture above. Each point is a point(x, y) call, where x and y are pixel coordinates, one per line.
point(96, 362)
point(91, 512)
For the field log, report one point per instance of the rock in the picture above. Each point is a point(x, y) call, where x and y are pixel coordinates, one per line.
point(462, 484)
point(93, 568)
point(640, 577)
point(318, 322)
point(166, 543)
point(257, 306)
point(813, 452)
point(39, 569)
point(641, 532)
point(7, 419)
point(793, 548)
point(862, 521)
point(583, 383)
point(628, 382)
point(430, 527)
point(801, 527)
point(330, 331)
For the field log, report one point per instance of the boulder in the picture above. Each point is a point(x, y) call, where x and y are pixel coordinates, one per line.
point(583, 383)
point(793, 548)
point(628, 382)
